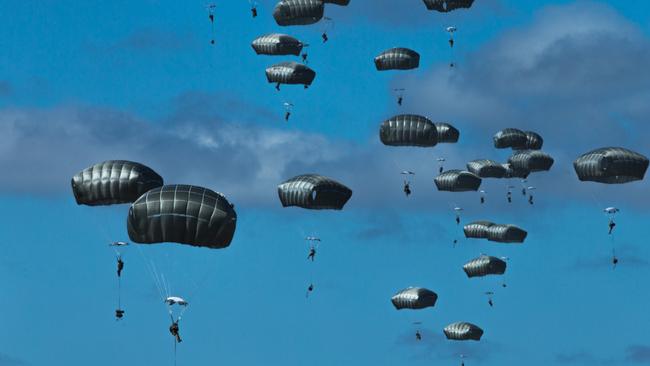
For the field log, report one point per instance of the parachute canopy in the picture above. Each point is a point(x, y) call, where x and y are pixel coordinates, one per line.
point(477, 229)
point(414, 298)
point(175, 300)
point(408, 130)
point(463, 331)
point(531, 160)
point(113, 182)
point(457, 181)
point(611, 165)
point(517, 139)
point(512, 172)
point(315, 192)
point(447, 133)
point(298, 12)
point(484, 265)
point(506, 233)
point(397, 59)
point(445, 6)
point(182, 214)
point(486, 168)
point(290, 73)
point(277, 44)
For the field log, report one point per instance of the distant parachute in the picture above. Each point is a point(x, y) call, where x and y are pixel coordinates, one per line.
point(486, 168)
point(397, 59)
point(298, 12)
point(506, 234)
point(447, 133)
point(611, 165)
point(113, 182)
point(277, 44)
point(531, 160)
point(477, 229)
point(463, 331)
point(445, 6)
point(182, 214)
point(517, 139)
point(457, 181)
point(290, 73)
point(312, 191)
point(414, 298)
point(484, 265)
point(408, 130)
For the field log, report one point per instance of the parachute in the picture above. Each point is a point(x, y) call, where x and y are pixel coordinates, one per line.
point(611, 165)
point(277, 44)
point(175, 300)
point(447, 133)
point(312, 191)
point(298, 12)
point(182, 214)
point(611, 210)
point(477, 229)
point(113, 182)
point(397, 59)
point(512, 172)
point(531, 160)
point(486, 168)
point(483, 266)
point(457, 181)
point(506, 233)
point(408, 130)
point(290, 73)
point(445, 6)
point(517, 140)
point(463, 331)
point(414, 298)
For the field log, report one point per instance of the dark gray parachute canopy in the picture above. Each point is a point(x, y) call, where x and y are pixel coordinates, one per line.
point(457, 181)
point(486, 168)
point(531, 160)
point(290, 73)
point(414, 298)
point(182, 214)
point(337, 2)
point(477, 229)
point(463, 331)
point(484, 265)
point(277, 44)
point(611, 165)
point(445, 6)
point(314, 192)
point(510, 138)
point(408, 130)
point(512, 172)
point(447, 133)
point(113, 182)
point(397, 59)
point(533, 140)
point(298, 12)
point(506, 233)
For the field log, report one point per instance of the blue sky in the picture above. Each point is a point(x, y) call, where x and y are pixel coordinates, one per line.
point(82, 82)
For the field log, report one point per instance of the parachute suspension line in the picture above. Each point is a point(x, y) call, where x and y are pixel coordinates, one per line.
point(152, 273)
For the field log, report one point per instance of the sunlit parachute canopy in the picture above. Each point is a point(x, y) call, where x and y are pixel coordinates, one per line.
point(408, 130)
point(533, 140)
point(512, 172)
point(477, 229)
point(277, 44)
point(113, 182)
point(182, 214)
point(611, 165)
point(397, 59)
point(457, 181)
point(298, 12)
point(506, 233)
point(447, 133)
point(414, 298)
point(337, 2)
point(486, 168)
point(445, 6)
point(290, 73)
point(484, 265)
point(315, 192)
point(176, 300)
point(531, 160)
point(510, 138)
point(463, 331)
